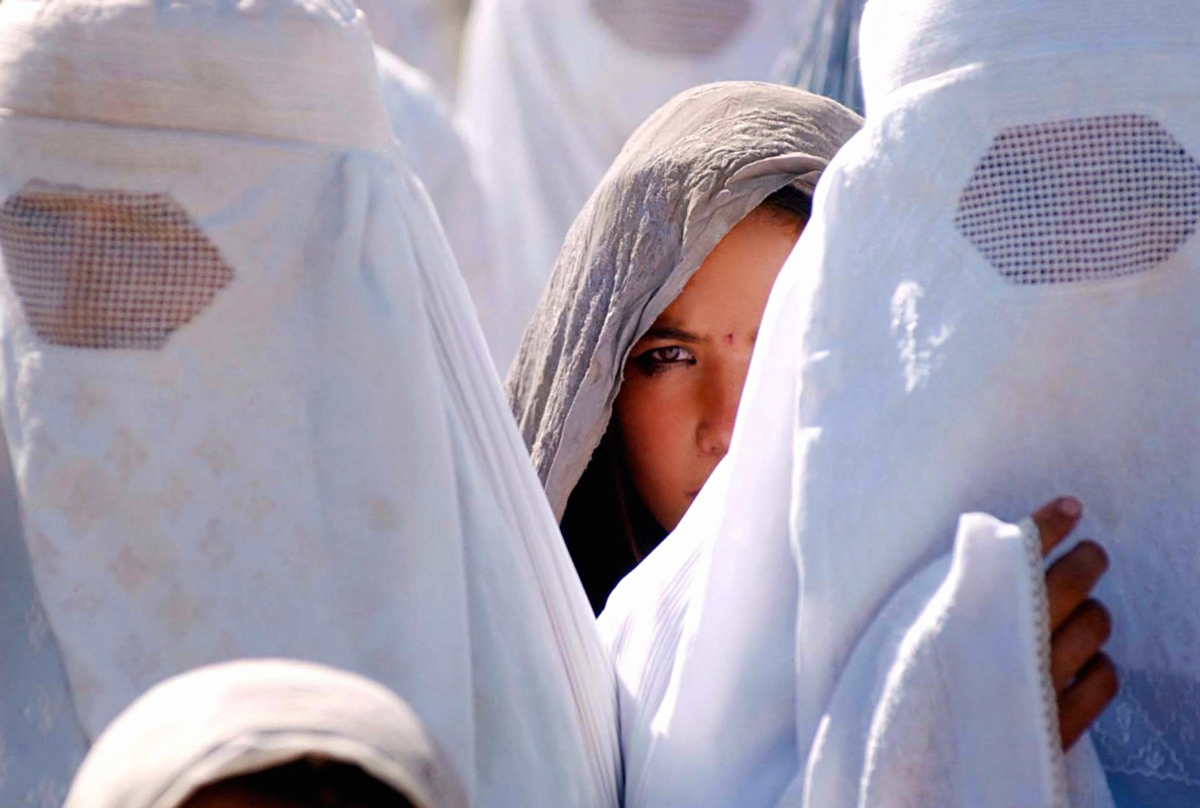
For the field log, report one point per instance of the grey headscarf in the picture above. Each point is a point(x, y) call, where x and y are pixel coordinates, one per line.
point(691, 172)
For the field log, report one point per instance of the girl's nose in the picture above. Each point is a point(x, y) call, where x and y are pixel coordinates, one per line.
point(722, 394)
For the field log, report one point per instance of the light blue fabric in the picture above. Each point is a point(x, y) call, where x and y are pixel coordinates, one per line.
point(824, 59)
point(41, 739)
point(1149, 741)
point(1132, 791)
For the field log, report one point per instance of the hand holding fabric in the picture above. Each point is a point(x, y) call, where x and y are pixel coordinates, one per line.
point(1084, 677)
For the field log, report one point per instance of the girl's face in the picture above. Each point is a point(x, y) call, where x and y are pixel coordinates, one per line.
point(684, 377)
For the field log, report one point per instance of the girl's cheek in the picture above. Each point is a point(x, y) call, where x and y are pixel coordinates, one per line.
point(659, 409)
point(652, 407)
point(668, 383)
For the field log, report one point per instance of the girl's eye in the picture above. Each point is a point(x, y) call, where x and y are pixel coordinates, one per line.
point(657, 360)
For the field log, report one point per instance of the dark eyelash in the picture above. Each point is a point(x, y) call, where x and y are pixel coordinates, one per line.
point(651, 365)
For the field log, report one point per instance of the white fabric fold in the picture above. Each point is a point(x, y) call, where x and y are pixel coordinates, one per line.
point(435, 151)
point(953, 670)
point(251, 412)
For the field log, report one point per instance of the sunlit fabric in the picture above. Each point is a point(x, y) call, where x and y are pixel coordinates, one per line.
point(435, 150)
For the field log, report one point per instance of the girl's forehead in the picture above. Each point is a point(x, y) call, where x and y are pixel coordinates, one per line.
point(730, 289)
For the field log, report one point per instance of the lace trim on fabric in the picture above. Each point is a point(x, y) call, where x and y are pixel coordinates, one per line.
point(1081, 200)
point(1037, 568)
point(106, 269)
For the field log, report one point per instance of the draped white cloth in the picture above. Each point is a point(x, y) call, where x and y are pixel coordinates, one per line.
point(237, 718)
point(551, 90)
point(435, 151)
point(249, 409)
point(993, 304)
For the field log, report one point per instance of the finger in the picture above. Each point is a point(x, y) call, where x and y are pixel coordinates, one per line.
point(1069, 580)
point(1082, 635)
point(1083, 701)
point(1055, 520)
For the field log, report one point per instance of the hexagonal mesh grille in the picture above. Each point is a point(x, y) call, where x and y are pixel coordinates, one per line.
point(1083, 199)
point(674, 27)
point(106, 269)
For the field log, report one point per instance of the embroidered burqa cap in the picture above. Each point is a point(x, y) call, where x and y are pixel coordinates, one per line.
point(249, 408)
point(993, 304)
point(238, 718)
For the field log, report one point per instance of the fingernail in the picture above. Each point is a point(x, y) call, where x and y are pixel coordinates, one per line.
point(1070, 507)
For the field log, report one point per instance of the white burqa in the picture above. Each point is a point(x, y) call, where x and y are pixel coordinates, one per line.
point(238, 718)
point(248, 407)
point(993, 304)
point(551, 90)
point(435, 151)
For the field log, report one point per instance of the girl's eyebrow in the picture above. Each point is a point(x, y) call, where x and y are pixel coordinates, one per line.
point(672, 333)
